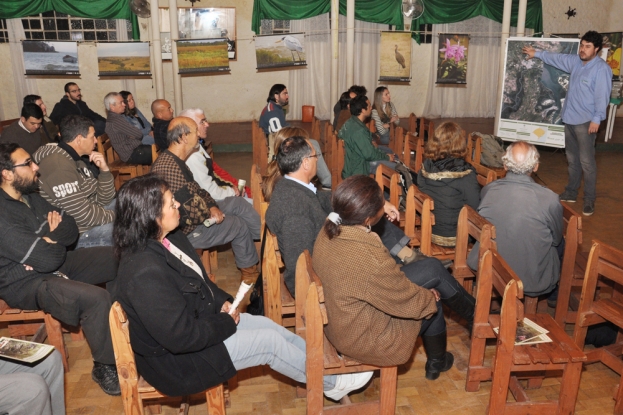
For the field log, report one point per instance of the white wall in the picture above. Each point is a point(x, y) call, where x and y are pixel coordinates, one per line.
point(240, 96)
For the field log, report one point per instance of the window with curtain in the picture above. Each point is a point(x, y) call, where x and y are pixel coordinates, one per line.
point(274, 27)
point(4, 33)
point(53, 25)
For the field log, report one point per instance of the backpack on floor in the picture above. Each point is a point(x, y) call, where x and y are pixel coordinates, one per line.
point(492, 150)
point(407, 178)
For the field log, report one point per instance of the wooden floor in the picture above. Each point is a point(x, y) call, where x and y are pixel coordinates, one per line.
point(261, 391)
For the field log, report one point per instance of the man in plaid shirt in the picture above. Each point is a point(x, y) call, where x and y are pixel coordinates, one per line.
point(196, 204)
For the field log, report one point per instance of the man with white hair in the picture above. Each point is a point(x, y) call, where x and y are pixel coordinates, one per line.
point(528, 220)
point(125, 138)
point(224, 193)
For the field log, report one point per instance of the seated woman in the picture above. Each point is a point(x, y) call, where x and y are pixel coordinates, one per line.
point(376, 309)
point(136, 118)
point(448, 179)
point(184, 338)
point(383, 114)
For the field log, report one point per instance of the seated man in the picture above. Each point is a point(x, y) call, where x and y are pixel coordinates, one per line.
point(360, 155)
point(273, 119)
point(26, 131)
point(33, 389)
point(341, 106)
point(47, 126)
point(528, 220)
point(125, 138)
point(202, 165)
point(38, 271)
point(201, 219)
point(84, 190)
point(72, 103)
point(163, 114)
point(297, 211)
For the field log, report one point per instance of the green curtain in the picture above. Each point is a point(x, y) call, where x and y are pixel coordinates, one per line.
point(375, 11)
point(94, 9)
point(440, 11)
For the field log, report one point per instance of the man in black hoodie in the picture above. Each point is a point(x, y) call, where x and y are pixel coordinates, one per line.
point(72, 103)
point(38, 273)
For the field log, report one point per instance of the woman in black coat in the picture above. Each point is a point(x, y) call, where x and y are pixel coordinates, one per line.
point(448, 179)
point(182, 334)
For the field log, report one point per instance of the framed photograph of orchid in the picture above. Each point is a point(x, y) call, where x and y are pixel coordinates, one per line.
point(452, 59)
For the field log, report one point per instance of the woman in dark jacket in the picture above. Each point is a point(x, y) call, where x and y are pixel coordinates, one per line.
point(448, 179)
point(183, 336)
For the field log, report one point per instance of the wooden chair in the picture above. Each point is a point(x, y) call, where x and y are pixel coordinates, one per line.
point(413, 145)
point(323, 359)
point(399, 144)
point(569, 275)
point(511, 361)
point(484, 175)
point(421, 205)
point(606, 262)
point(470, 223)
point(124, 171)
point(388, 180)
point(36, 323)
point(338, 162)
point(134, 389)
point(412, 124)
point(278, 302)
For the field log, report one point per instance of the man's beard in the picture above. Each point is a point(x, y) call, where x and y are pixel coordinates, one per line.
point(26, 187)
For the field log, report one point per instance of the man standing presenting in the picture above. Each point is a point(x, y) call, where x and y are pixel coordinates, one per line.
point(72, 103)
point(583, 111)
point(273, 119)
point(84, 190)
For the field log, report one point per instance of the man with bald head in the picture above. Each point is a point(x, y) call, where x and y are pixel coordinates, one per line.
point(163, 114)
point(201, 219)
point(528, 221)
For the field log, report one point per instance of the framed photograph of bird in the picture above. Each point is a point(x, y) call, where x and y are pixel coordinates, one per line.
point(452, 59)
point(280, 51)
point(395, 57)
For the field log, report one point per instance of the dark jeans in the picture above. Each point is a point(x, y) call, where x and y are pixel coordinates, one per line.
point(434, 325)
point(392, 237)
point(429, 273)
point(78, 300)
point(580, 150)
point(141, 155)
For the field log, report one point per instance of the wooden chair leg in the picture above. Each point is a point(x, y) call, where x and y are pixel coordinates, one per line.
point(214, 259)
point(389, 380)
point(215, 400)
point(55, 337)
point(476, 360)
point(155, 408)
point(569, 387)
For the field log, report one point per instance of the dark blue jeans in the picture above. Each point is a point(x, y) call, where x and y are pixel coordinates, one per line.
point(429, 273)
point(392, 237)
point(580, 150)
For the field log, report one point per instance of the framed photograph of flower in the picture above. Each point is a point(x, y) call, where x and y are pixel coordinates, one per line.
point(452, 59)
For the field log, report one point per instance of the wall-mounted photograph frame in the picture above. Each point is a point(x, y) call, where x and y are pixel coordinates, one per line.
point(202, 56)
point(123, 59)
point(43, 57)
point(200, 23)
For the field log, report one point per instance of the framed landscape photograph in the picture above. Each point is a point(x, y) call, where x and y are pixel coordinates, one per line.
point(50, 58)
point(203, 23)
point(123, 59)
point(202, 56)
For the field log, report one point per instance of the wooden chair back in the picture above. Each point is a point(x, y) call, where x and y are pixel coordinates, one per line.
point(371, 126)
point(36, 323)
point(420, 205)
point(134, 389)
point(122, 171)
point(322, 357)
point(315, 130)
point(513, 361)
point(278, 302)
point(569, 278)
point(412, 123)
point(484, 175)
point(338, 162)
point(388, 180)
point(260, 146)
point(399, 143)
point(413, 152)
point(474, 149)
point(470, 224)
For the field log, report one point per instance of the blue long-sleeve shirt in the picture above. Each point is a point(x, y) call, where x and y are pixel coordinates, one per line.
point(589, 87)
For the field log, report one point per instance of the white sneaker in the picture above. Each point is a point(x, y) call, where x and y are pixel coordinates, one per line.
point(344, 384)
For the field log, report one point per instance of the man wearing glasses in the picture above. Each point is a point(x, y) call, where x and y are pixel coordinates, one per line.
point(38, 271)
point(72, 103)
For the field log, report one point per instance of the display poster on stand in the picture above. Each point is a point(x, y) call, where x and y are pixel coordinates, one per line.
point(534, 93)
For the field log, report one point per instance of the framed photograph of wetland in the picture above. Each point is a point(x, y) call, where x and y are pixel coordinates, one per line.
point(202, 56)
point(203, 23)
point(50, 58)
point(395, 57)
point(123, 59)
point(534, 93)
point(280, 51)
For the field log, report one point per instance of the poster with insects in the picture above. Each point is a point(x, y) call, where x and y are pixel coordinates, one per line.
point(395, 56)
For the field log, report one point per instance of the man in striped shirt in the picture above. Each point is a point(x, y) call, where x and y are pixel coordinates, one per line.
point(84, 189)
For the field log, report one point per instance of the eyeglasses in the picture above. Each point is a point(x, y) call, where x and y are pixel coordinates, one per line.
point(27, 163)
